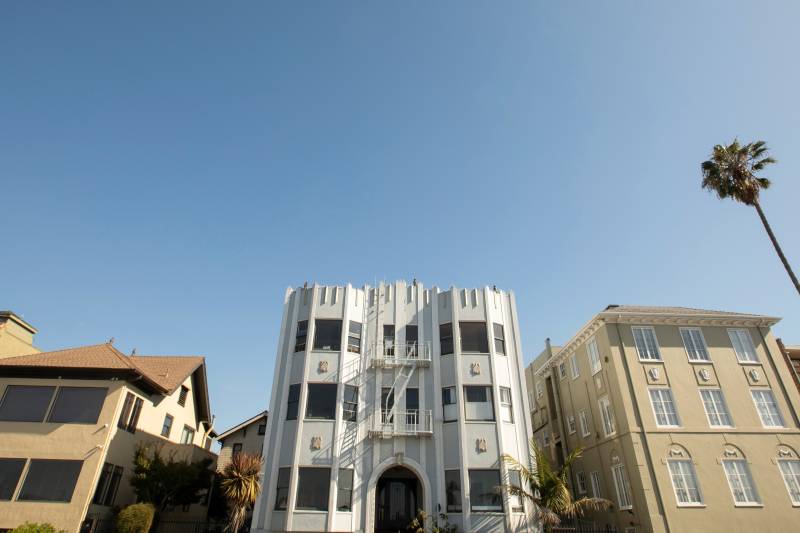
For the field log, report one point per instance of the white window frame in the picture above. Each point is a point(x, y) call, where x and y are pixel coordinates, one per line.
point(593, 355)
point(659, 392)
point(717, 412)
point(736, 335)
point(562, 370)
point(594, 479)
point(743, 470)
point(643, 351)
point(571, 424)
point(682, 474)
point(607, 414)
point(791, 479)
point(580, 482)
point(767, 422)
point(573, 366)
point(509, 405)
point(621, 482)
point(697, 344)
point(584, 421)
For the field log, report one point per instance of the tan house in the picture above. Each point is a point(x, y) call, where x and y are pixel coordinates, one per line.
point(71, 419)
point(246, 437)
point(687, 419)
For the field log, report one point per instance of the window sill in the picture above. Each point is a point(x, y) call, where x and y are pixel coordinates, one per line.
point(312, 511)
point(626, 508)
point(700, 362)
point(749, 363)
point(748, 505)
point(651, 360)
point(691, 506)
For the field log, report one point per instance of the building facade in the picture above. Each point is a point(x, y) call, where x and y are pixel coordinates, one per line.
point(686, 418)
point(245, 437)
point(16, 335)
point(392, 399)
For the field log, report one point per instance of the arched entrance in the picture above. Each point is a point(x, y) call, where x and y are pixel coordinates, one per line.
point(398, 497)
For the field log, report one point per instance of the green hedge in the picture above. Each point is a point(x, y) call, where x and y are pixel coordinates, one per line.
point(35, 527)
point(136, 518)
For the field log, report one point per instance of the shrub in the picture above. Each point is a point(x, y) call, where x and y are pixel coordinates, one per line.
point(35, 527)
point(136, 518)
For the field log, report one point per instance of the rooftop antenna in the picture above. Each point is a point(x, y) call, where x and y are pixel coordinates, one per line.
point(111, 340)
point(133, 352)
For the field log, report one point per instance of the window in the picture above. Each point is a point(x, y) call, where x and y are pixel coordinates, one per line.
point(452, 484)
point(23, 403)
point(313, 487)
point(237, 449)
point(695, 344)
point(387, 403)
point(767, 408)
point(483, 493)
point(573, 366)
point(743, 345)
point(539, 389)
point(580, 479)
point(499, 339)
point(293, 402)
point(790, 470)
point(350, 407)
point(684, 482)
point(594, 355)
point(10, 470)
point(50, 480)
point(584, 419)
point(608, 416)
point(473, 337)
point(354, 337)
point(506, 409)
point(187, 437)
point(546, 439)
point(107, 485)
point(646, 345)
point(446, 338)
point(515, 480)
point(716, 408)
point(262, 429)
point(131, 409)
point(183, 395)
point(478, 403)
point(344, 497)
point(321, 401)
point(78, 405)
point(300, 336)
point(412, 405)
point(449, 404)
point(388, 339)
point(621, 484)
point(282, 490)
point(664, 407)
point(594, 477)
point(741, 482)
point(412, 338)
point(562, 370)
point(166, 429)
point(571, 424)
point(328, 335)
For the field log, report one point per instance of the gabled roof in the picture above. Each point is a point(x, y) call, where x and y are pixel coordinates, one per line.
point(169, 371)
point(248, 422)
point(666, 310)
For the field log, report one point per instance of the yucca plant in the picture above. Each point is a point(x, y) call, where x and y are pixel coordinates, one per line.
point(547, 488)
point(240, 485)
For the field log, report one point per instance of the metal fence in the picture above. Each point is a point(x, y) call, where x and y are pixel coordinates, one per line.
point(107, 525)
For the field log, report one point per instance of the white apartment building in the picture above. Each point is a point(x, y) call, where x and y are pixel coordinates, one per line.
point(394, 399)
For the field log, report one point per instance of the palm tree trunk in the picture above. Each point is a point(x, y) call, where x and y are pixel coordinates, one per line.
point(777, 246)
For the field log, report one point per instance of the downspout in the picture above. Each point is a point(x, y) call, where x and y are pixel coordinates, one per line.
point(638, 416)
point(783, 385)
point(559, 411)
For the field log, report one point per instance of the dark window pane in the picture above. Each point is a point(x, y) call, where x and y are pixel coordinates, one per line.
point(124, 416)
point(111, 494)
point(300, 336)
point(282, 496)
point(313, 487)
point(293, 402)
point(321, 401)
point(328, 335)
point(473, 337)
point(387, 402)
point(23, 403)
point(452, 483)
point(412, 404)
point(446, 338)
point(499, 339)
point(262, 429)
point(182, 396)
point(50, 480)
point(78, 405)
point(350, 408)
point(166, 429)
point(448, 396)
point(344, 498)
point(483, 490)
point(411, 341)
point(10, 470)
point(102, 483)
point(354, 337)
point(237, 449)
point(135, 412)
point(475, 394)
point(388, 339)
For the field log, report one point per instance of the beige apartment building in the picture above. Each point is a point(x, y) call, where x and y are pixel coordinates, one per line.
point(245, 437)
point(687, 419)
point(70, 421)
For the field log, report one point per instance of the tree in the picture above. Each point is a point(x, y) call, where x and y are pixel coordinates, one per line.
point(732, 172)
point(168, 481)
point(240, 485)
point(547, 488)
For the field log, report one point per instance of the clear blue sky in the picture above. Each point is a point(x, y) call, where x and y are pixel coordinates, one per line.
point(167, 169)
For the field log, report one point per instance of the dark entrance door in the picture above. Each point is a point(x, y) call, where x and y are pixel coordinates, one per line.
point(397, 500)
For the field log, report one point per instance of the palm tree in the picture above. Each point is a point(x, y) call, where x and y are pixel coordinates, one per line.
point(547, 488)
point(731, 172)
point(240, 487)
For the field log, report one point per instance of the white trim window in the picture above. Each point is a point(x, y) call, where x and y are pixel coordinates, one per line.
point(695, 344)
point(546, 439)
point(506, 407)
point(716, 408)
point(790, 470)
point(609, 426)
point(743, 345)
point(571, 424)
point(584, 421)
point(573, 365)
point(593, 355)
point(767, 408)
point(684, 482)
point(580, 477)
point(646, 343)
point(594, 478)
point(741, 483)
point(664, 408)
point(562, 370)
point(623, 490)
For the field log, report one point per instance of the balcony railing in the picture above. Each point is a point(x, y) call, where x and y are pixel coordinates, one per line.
point(386, 354)
point(402, 423)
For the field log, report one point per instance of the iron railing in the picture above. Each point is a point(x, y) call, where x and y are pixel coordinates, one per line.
point(402, 423)
point(387, 354)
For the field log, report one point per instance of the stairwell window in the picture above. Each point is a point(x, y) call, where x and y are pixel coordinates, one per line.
point(452, 484)
point(321, 401)
point(664, 408)
point(412, 340)
point(584, 420)
point(741, 483)
point(300, 336)
point(166, 427)
point(344, 496)
point(446, 338)
point(473, 337)
point(483, 494)
point(282, 489)
point(767, 408)
point(449, 404)
point(293, 402)
point(183, 395)
point(412, 405)
point(716, 408)
point(50, 480)
point(593, 355)
point(478, 403)
point(328, 335)
point(743, 345)
point(695, 344)
point(354, 337)
point(499, 339)
point(515, 480)
point(609, 425)
point(623, 489)
point(684, 482)
point(646, 344)
point(350, 407)
point(131, 409)
point(313, 488)
point(790, 470)
point(506, 408)
point(187, 437)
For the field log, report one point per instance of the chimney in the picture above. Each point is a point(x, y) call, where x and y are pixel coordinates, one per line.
point(16, 335)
